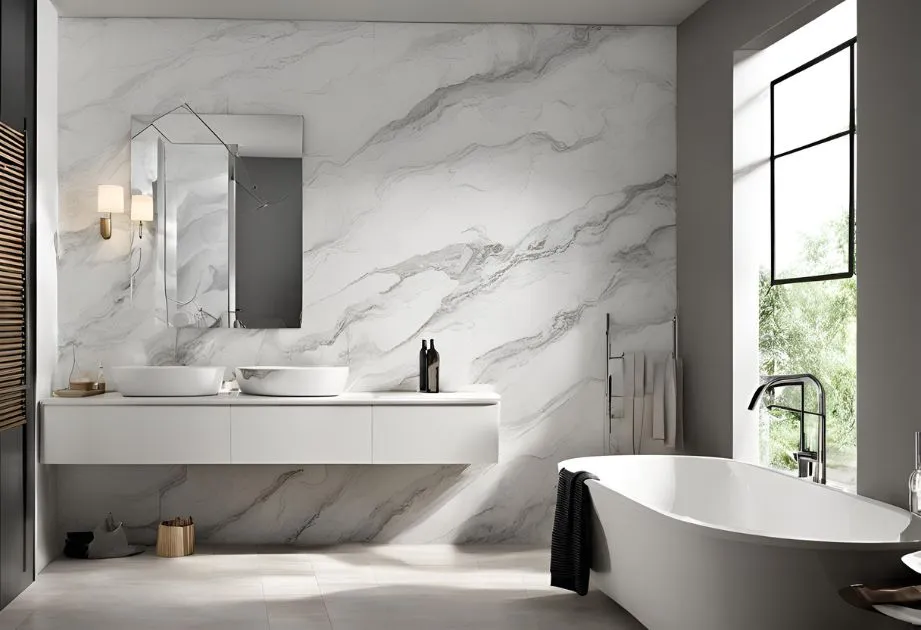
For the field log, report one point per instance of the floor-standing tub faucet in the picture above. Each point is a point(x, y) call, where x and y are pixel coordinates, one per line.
point(811, 463)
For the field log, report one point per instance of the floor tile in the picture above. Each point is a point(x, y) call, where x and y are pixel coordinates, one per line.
point(349, 587)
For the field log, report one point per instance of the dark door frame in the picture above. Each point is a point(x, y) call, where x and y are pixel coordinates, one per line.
point(18, 60)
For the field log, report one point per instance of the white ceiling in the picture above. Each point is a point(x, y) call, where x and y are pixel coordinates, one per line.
point(667, 12)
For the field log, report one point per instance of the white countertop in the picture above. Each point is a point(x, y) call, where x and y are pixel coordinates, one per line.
point(349, 398)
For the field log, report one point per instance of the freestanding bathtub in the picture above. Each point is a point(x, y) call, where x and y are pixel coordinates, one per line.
point(695, 543)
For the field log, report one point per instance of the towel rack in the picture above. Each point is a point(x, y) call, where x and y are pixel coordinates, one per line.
point(607, 336)
point(609, 393)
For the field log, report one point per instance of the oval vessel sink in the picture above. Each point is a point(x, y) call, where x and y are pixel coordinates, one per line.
point(292, 381)
point(167, 380)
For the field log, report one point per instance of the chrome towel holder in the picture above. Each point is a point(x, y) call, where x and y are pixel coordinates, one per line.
point(609, 380)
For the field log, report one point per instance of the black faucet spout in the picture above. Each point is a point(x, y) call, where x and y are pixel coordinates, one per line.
point(816, 462)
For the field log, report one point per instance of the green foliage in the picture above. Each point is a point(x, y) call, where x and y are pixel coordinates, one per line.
point(811, 327)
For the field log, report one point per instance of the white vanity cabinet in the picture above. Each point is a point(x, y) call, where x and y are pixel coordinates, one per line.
point(162, 434)
point(300, 435)
point(384, 428)
point(428, 434)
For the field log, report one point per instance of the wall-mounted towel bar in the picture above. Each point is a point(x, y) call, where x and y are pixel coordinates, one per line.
point(620, 355)
point(650, 346)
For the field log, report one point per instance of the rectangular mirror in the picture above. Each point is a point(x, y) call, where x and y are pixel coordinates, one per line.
point(228, 216)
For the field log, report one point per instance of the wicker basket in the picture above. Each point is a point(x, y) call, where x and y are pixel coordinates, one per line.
point(176, 538)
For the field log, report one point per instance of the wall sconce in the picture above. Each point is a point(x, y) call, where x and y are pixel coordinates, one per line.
point(142, 209)
point(110, 200)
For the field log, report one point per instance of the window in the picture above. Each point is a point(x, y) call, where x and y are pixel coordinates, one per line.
point(813, 142)
point(808, 296)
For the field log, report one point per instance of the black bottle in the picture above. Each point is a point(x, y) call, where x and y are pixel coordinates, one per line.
point(433, 363)
point(423, 367)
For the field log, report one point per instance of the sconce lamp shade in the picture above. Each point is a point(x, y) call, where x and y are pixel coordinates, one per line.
point(111, 198)
point(142, 208)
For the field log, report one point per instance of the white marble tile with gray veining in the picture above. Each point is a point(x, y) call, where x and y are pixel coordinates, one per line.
point(497, 187)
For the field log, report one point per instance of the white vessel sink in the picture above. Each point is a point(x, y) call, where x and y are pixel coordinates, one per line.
point(171, 380)
point(292, 381)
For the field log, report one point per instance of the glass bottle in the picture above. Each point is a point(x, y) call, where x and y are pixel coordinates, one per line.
point(423, 367)
point(433, 361)
point(100, 378)
point(914, 482)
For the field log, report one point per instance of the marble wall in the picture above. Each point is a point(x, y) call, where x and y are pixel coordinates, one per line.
point(497, 187)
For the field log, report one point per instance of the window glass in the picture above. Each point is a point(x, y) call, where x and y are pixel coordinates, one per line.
point(813, 104)
point(811, 203)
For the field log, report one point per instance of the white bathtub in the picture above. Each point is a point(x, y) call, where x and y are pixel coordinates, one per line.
point(695, 543)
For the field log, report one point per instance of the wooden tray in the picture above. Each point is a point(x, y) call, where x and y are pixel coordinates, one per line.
point(77, 393)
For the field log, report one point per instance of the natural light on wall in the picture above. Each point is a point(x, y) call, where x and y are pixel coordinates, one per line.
point(807, 327)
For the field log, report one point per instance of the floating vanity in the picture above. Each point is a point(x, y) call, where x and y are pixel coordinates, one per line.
point(368, 428)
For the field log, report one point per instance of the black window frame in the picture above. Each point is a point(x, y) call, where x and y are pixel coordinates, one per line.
point(851, 132)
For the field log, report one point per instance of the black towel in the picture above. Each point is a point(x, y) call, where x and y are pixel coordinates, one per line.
point(77, 544)
point(571, 545)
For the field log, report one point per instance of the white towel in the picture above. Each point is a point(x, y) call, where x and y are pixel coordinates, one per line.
point(628, 375)
point(902, 613)
point(648, 402)
point(659, 400)
point(679, 405)
point(639, 400)
point(652, 400)
point(629, 388)
point(671, 402)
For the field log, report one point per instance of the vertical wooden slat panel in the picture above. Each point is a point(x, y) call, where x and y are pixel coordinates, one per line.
point(12, 277)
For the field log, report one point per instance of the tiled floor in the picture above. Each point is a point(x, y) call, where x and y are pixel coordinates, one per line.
point(342, 588)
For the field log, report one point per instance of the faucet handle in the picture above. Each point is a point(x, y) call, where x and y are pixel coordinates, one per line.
point(806, 460)
point(806, 456)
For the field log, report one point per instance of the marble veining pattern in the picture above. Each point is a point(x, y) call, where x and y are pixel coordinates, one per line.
point(497, 187)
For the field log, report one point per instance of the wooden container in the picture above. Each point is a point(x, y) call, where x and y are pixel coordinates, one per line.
point(176, 538)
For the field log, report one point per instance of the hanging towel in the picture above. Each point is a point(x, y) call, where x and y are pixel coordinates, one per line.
point(659, 401)
point(639, 400)
point(648, 408)
point(679, 415)
point(629, 365)
point(570, 546)
point(649, 398)
point(671, 401)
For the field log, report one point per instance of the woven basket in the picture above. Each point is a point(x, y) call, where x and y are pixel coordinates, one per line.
point(175, 541)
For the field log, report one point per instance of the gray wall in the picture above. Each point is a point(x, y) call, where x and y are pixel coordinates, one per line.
point(706, 43)
point(889, 223)
point(889, 226)
point(47, 543)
